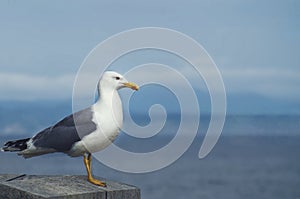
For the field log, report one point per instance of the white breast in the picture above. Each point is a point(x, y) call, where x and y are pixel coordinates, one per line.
point(108, 115)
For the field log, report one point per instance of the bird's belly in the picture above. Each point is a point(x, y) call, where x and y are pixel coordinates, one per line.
point(108, 128)
point(109, 123)
point(98, 140)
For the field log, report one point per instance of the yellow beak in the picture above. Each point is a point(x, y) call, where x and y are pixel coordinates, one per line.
point(131, 85)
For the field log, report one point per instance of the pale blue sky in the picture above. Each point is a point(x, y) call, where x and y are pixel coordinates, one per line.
point(255, 44)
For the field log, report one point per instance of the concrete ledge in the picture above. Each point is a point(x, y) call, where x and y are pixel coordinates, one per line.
point(62, 187)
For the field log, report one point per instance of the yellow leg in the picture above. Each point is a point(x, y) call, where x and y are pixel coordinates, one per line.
point(87, 162)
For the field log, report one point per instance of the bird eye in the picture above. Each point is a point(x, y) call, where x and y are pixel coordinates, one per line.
point(117, 78)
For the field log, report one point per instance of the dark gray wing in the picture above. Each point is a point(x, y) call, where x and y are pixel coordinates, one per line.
point(64, 134)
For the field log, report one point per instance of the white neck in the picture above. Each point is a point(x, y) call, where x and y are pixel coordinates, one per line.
point(110, 102)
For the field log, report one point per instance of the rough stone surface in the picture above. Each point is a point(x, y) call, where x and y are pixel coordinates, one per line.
point(62, 187)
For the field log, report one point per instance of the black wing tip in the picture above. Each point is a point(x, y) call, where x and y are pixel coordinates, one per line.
point(15, 145)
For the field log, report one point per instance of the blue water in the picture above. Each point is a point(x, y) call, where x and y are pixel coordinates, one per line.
point(256, 157)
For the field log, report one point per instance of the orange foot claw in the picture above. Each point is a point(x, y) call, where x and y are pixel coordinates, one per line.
point(97, 182)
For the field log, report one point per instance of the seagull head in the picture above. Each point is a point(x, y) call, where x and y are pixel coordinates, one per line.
point(114, 80)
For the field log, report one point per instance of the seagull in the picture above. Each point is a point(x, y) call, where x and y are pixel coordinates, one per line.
point(84, 132)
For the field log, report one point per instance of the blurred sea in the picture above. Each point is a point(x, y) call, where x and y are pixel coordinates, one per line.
point(255, 157)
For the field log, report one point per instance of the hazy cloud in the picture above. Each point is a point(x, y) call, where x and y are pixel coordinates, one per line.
point(31, 87)
point(279, 83)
